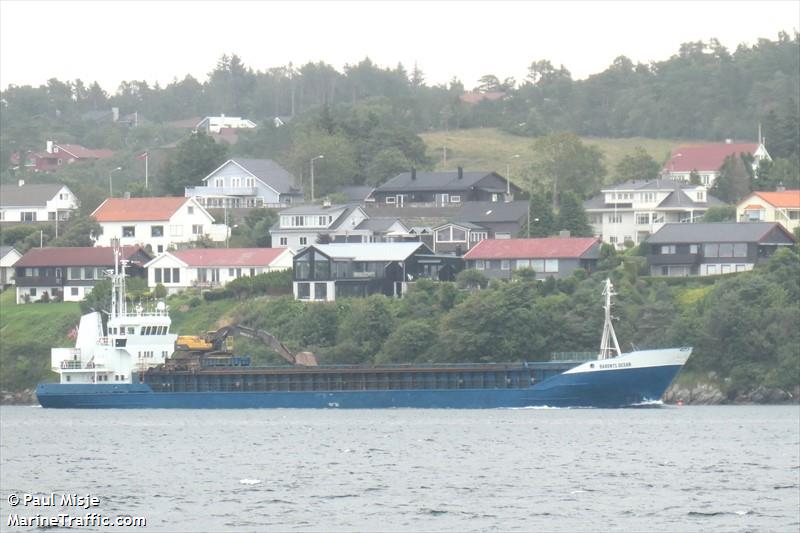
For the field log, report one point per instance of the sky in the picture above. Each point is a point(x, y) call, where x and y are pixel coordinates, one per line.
point(112, 41)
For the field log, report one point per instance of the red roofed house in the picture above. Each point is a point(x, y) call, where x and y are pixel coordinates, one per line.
point(778, 206)
point(161, 223)
point(213, 267)
point(57, 155)
point(706, 160)
point(70, 273)
point(477, 97)
point(558, 257)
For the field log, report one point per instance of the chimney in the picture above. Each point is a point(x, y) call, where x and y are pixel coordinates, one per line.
point(780, 187)
point(564, 234)
point(461, 173)
point(49, 147)
point(326, 202)
point(127, 195)
point(21, 182)
point(413, 173)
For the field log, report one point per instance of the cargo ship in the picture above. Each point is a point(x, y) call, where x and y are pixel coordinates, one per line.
point(136, 361)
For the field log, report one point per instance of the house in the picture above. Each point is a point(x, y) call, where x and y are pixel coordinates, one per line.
point(160, 223)
point(704, 249)
point(213, 267)
point(325, 272)
point(355, 194)
point(556, 257)
point(70, 273)
point(56, 155)
point(216, 124)
point(112, 116)
point(444, 188)
point(779, 206)
point(476, 221)
point(476, 97)
point(635, 209)
point(239, 183)
point(707, 159)
point(8, 257)
point(41, 202)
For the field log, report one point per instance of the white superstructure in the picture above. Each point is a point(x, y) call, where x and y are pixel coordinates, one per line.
point(131, 342)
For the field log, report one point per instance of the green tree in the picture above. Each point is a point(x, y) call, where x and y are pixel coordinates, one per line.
point(572, 217)
point(193, 159)
point(722, 213)
point(733, 182)
point(565, 163)
point(411, 341)
point(78, 231)
point(542, 221)
point(637, 166)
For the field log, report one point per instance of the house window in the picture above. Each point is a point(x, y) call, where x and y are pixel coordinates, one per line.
point(459, 235)
point(129, 231)
point(479, 264)
point(443, 235)
point(711, 269)
point(320, 291)
point(537, 265)
point(322, 220)
point(51, 215)
point(236, 182)
point(156, 231)
point(197, 229)
point(740, 249)
point(284, 241)
point(694, 248)
point(701, 196)
point(612, 239)
point(303, 241)
point(390, 199)
point(32, 292)
point(551, 265)
point(88, 273)
point(167, 275)
point(668, 249)
point(73, 291)
point(176, 230)
point(523, 263)
point(615, 219)
point(455, 199)
point(190, 210)
point(157, 275)
point(726, 269)
point(176, 275)
point(754, 215)
point(160, 248)
point(642, 218)
point(505, 265)
point(303, 291)
point(219, 182)
point(794, 214)
point(74, 273)
point(250, 181)
point(28, 216)
point(502, 235)
point(711, 250)
point(477, 236)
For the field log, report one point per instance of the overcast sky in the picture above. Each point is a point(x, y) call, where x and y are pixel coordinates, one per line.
point(158, 41)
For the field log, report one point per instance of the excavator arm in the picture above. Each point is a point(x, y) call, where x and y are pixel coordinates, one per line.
point(215, 341)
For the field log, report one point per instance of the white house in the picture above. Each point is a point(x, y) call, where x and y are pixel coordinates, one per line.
point(633, 210)
point(162, 223)
point(213, 267)
point(36, 203)
point(301, 226)
point(706, 160)
point(8, 257)
point(248, 183)
point(217, 124)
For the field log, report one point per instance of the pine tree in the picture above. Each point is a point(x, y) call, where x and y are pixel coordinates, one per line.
point(541, 221)
point(572, 217)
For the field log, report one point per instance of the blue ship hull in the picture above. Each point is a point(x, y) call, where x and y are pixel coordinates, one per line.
point(614, 388)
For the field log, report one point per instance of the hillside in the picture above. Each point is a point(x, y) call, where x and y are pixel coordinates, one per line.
point(493, 149)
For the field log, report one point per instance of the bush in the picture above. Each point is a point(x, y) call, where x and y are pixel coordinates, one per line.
point(217, 294)
point(159, 291)
point(471, 279)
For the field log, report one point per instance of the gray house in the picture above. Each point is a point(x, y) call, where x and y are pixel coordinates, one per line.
point(239, 183)
point(325, 272)
point(705, 249)
point(444, 188)
point(476, 221)
point(556, 257)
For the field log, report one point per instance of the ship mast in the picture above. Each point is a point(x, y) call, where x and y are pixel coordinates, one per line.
point(119, 306)
point(609, 347)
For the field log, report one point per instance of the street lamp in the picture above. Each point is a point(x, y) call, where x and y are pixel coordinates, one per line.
point(312, 174)
point(508, 177)
point(110, 186)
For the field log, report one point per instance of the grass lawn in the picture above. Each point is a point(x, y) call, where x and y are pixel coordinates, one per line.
point(492, 149)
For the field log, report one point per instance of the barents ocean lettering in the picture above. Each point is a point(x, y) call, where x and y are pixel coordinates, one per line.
point(85, 501)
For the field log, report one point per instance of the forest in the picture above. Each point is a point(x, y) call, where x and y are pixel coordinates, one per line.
point(367, 118)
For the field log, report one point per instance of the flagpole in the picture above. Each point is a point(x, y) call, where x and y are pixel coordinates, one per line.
point(146, 160)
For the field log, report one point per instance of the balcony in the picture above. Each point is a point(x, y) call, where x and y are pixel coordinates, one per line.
point(221, 191)
point(674, 259)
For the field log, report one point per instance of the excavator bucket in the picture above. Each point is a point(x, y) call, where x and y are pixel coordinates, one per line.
point(305, 359)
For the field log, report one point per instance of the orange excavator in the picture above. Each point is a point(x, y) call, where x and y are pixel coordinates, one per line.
point(218, 343)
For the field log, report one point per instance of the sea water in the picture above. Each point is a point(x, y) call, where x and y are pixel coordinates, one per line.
point(660, 469)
